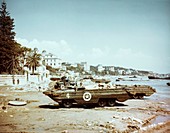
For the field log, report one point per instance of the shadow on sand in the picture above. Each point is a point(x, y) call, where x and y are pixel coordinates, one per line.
point(120, 104)
point(89, 106)
point(49, 106)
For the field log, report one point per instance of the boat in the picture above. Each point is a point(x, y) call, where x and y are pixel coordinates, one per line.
point(17, 103)
point(157, 77)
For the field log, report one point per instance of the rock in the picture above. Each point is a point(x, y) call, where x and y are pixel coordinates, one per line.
point(109, 126)
point(65, 131)
point(133, 127)
point(89, 124)
point(11, 115)
point(116, 117)
point(41, 119)
point(18, 99)
point(4, 107)
point(30, 101)
point(102, 125)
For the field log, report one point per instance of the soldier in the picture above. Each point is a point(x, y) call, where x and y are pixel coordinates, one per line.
point(17, 81)
point(57, 86)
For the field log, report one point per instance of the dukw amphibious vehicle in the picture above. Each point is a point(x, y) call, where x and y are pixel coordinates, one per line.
point(101, 95)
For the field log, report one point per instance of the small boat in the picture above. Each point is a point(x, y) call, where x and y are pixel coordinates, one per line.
point(17, 103)
point(156, 77)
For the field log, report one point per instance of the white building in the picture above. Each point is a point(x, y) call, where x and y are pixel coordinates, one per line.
point(52, 60)
point(109, 68)
point(122, 72)
point(74, 65)
point(85, 66)
point(100, 68)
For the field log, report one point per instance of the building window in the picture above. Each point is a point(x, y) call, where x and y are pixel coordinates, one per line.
point(54, 64)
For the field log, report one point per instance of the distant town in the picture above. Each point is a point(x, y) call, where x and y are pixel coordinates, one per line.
point(51, 64)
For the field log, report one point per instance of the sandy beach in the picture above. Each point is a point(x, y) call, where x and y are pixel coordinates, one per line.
point(41, 114)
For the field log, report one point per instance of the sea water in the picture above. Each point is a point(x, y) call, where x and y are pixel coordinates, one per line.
point(161, 96)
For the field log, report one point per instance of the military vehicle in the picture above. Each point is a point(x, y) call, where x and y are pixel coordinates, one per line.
point(138, 91)
point(101, 95)
point(67, 97)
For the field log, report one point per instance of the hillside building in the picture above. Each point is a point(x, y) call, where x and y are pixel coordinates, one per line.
point(52, 60)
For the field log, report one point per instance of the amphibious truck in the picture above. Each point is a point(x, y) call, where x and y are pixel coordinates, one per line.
point(102, 95)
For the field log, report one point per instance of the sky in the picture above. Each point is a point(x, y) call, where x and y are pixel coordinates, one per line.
point(127, 33)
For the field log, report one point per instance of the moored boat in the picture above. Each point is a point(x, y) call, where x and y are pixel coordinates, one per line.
point(156, 77)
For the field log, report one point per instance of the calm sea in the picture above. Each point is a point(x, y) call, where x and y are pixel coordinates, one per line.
point(162, 94)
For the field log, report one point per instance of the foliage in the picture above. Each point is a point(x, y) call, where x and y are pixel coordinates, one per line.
point(52, 70)
point(32, 61)
point(9, 49)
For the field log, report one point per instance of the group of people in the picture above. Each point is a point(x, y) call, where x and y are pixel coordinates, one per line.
point(14, 81)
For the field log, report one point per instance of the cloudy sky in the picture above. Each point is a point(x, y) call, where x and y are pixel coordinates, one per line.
point(128, 33)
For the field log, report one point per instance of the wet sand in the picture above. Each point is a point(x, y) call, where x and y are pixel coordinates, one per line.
point(42, 114)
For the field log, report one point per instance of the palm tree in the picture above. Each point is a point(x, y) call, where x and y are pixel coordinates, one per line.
point(33, 60)
point(13, 64)
point(23, 56)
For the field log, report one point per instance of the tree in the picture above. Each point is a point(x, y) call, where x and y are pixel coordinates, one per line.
point(9, 49)
point(43, 55)
point(33, 60)
point(24, 54)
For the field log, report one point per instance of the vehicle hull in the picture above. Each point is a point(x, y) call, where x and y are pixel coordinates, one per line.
point(95, 95)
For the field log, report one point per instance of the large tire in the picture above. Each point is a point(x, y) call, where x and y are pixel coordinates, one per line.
point(67, 103)
point(135, 96)
point(102, 102)
point(111, 102)
point(138, 96)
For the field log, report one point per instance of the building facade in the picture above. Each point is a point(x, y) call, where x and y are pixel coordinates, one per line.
point(100, 68)
point(52, 60)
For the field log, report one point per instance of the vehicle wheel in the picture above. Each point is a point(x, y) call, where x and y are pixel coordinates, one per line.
point(102, 102)
point(67, 103)
point(111, 102)
point(60, 104)
point(138, 96)
point(135, 97)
